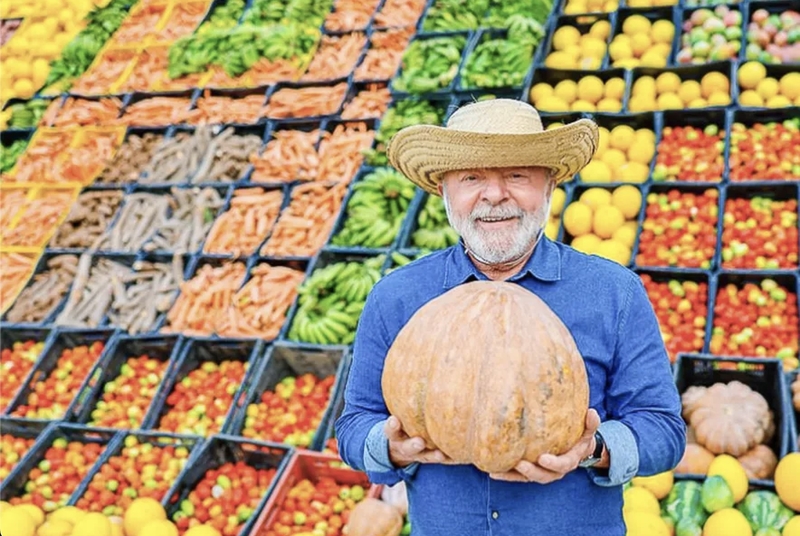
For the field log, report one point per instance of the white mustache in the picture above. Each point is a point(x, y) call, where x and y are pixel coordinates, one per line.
point(496, 212)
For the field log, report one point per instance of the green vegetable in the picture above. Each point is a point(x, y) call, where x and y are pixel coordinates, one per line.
point(688, 527)
point(684, 502)
point(430, 64)
point(27, 114)
point(407, 112)
point(223, 17)
point(764, 510)
point(433, 229)
point(10, 154)
point(500, 11)
point(497, 63)
point(716, 494)
point(454, 15)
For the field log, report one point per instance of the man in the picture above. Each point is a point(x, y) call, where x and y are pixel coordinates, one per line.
point(496, 168)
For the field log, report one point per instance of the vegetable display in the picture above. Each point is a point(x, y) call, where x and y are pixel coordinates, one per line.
point(196, 202)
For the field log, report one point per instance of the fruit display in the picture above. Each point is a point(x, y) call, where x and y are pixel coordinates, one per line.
point(604, 221)
point(196, 201)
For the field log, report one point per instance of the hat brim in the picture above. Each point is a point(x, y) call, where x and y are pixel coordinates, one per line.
point(423, 153)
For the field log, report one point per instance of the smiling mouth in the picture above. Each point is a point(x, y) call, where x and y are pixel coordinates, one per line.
point(496, 220)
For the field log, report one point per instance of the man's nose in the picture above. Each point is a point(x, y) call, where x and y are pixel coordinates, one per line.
point(494, 190)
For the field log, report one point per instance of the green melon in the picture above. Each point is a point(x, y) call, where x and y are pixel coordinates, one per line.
point(764, 510)
point(716, 494)
point(688, 527)
point(685, 502)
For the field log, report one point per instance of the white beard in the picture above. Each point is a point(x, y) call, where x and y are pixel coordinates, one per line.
point(502, 246)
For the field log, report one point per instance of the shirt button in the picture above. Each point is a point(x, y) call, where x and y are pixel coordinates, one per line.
point(495, 515)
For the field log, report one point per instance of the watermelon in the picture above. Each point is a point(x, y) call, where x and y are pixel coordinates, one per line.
point(768, 532)
point(716, 494)
point(764, 510)
point(685, 502)
point(688, 527)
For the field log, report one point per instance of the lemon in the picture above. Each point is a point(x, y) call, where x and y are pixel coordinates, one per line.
point(160, 527)
point(610, 5)
point(768, 88)
point(719, 98)
point(641, 103)
point(732, 471)
point(663, 32)
point(609, 105)
point(645, 134)
point(574, 51)
point(551, 229)
point(750, 74)
point(640, 43)
point(790, 85)
point(715, 81)
point(596, 171)
point(202, 530)
point(586, 243)
point(640, 499)
point(565, 36)
point(593, 47)
point(641, 151)
point(67, 513)
point(540, 91)
point(602, 141)
point(92, 524)
point(614, 159)
point(17, 522)
point(559, 60)
point(689, 91)
point(23, 88)
point(590, 63)
point(600, 29)
point(644, 86)
point(622, 137)
point(614, 251)
point(577, 219)
point(645, 524)
point(668, 82)
point(653, 58)
point(620, 50)
point(553, 104)
point(557, 202)
point(625, 235)
point(41, 68)
point(697, 103)
point(595, 198)
point(636, 24)
point(614, 88)
point(55, 528)
point(778, 101)
point(607, 219)
point(660, 485)
point(575, 7)
point(566, 90)
point(590, 88)
point(581, 105)
point(634, 172)
point(34, 511)
point(792, 528)
point(669, 101)
point(140, 512)
point(628, 199)
point(727, 522)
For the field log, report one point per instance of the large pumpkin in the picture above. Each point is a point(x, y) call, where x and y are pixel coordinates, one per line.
point(488, 374)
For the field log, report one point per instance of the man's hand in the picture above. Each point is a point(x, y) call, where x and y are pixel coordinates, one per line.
point(405, 450)
point(551, 468)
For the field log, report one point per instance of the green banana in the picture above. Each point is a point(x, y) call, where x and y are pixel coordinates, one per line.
point(497, 63)
point(433, 229)
point(10, 154)
point(376, 210)
point(430, 64)
point(455, 15)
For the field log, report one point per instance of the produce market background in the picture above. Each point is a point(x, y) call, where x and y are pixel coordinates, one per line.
point(187, 187)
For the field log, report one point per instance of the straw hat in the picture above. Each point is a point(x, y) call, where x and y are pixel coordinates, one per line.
point(489, 134)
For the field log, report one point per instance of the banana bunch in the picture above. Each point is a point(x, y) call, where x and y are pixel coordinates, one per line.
point(265, 12)
point(224, 16)
point(24, 114)
point(526, 30)
point(308, 12)
point(9, 154)
point(454, 15)
point(433, 230)
point(399, 260)
point(376, 210)
point(331, 300)
point(497, 63)
point(430, 64)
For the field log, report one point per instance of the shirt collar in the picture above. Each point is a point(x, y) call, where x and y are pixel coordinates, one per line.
point(544, 264)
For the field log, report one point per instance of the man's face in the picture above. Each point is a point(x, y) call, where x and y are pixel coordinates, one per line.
point(498, 212)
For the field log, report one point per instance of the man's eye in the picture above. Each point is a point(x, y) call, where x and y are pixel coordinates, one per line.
point(469, 177)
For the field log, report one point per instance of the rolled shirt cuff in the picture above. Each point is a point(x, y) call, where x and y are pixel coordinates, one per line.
point(376, 454)
point(623, 454)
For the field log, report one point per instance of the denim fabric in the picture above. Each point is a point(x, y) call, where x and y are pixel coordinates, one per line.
point(607, 310)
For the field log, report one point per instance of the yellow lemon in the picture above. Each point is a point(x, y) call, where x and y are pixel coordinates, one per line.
point(778, 101)
point(653, 58)
point(581, 105)
point(609, 105)
point(732, 471)
point(660, 485)
point(596, 171)
point(590, 88)
point(614, 88)
point(792, 528)
point(139, 513)
point(610, 5)
point(17, 522)
point(697, 103)
point(633, 172)
point(540, 91)
point(622, 137)
point(602, 140)
point(620, 50)
point(595, 198)
point(768, 88)
point(600, 29)
point(645, 134)
point(614, 251)
point(559, 60)
point(160, 527)
point(565, 36)
point(552, 104)
point(640, 43)
point(575, 7)
point(41, 68)
point(607, 219)
point(577, 219)
point(644, 86)
point(669, 101)
point(641, 151)
point(202, 530)
point(55, 528)
point(644, 524)
point(614, 159)
point(727, 522)
point(92, 524)
point(719, 98)
point(641, 103)
point(663, 31)
point(590, 63)
point(566, 90)
point(628, 199)
point(750, 74)
point(34, 511)
point(689, 91)
point(551, 229)
point(626, 236)
point(786, 480)
point(23, 87)
point(594, 47)
point(714, 81)
point(668, 82)
point(70, 514)
point(557, 202)
point(636, 24)
point(574, 52)
point(586, 243)
point(790, 85)
point(640, 499)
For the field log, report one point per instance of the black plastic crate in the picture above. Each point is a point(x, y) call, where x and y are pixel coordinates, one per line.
point(257, 94)
point(513, 79)
point(284, 360)
point(290, 91)
point(129, 443)
point(733, 34)
point(431, 23)
point(446, 81)
point(748, 98)
point(42, 104)
point(777, 259)
point(749, 119)
point(18, 430)
point(221, 135)
point(636, 121)
point(772, 8)
point(216, 452)
point(274, 132)
point(713, 123)
point(793, 408)
point(583, 23)
point(194, 354)
point(762, 376)
point(163, 348)
point(331, 130)
point(16, 140)
point(63, 340)
point(134, 138)
point(17, 337)
point(357, 89)
point(697, 73)
point(59, 435)
point(417, 233)
point(551, 77)
point(669, 13)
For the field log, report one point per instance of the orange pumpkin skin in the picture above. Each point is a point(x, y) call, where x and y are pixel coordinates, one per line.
point(696, 460)
point(488, 374)
point(372, 517)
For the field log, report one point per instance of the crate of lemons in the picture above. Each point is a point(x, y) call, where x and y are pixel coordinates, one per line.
point(721, 504)
point(144, 517)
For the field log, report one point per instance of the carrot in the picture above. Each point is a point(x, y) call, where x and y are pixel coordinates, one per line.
point(37, 162)
point(307, 101)
point(304, 226)
point(265, 72)
point(341, 152)
point(11, 201)
point(39, 219)
point(159, 111)
point(259, 308)
point(86, 162)
point(290, 155)
point(100, 77)
point(139, 25)
point(219, 109)
point(399, 13)
point(349, 15)
point(78, 111)
point(336, 57)
point(203, 299)
point(368, 103)
point(150, 73)
point(246, 223)
point(16, 269)
point(384, 55)
point(182, 21)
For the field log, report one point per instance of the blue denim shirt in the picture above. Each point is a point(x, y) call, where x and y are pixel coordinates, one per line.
point(606, 308)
